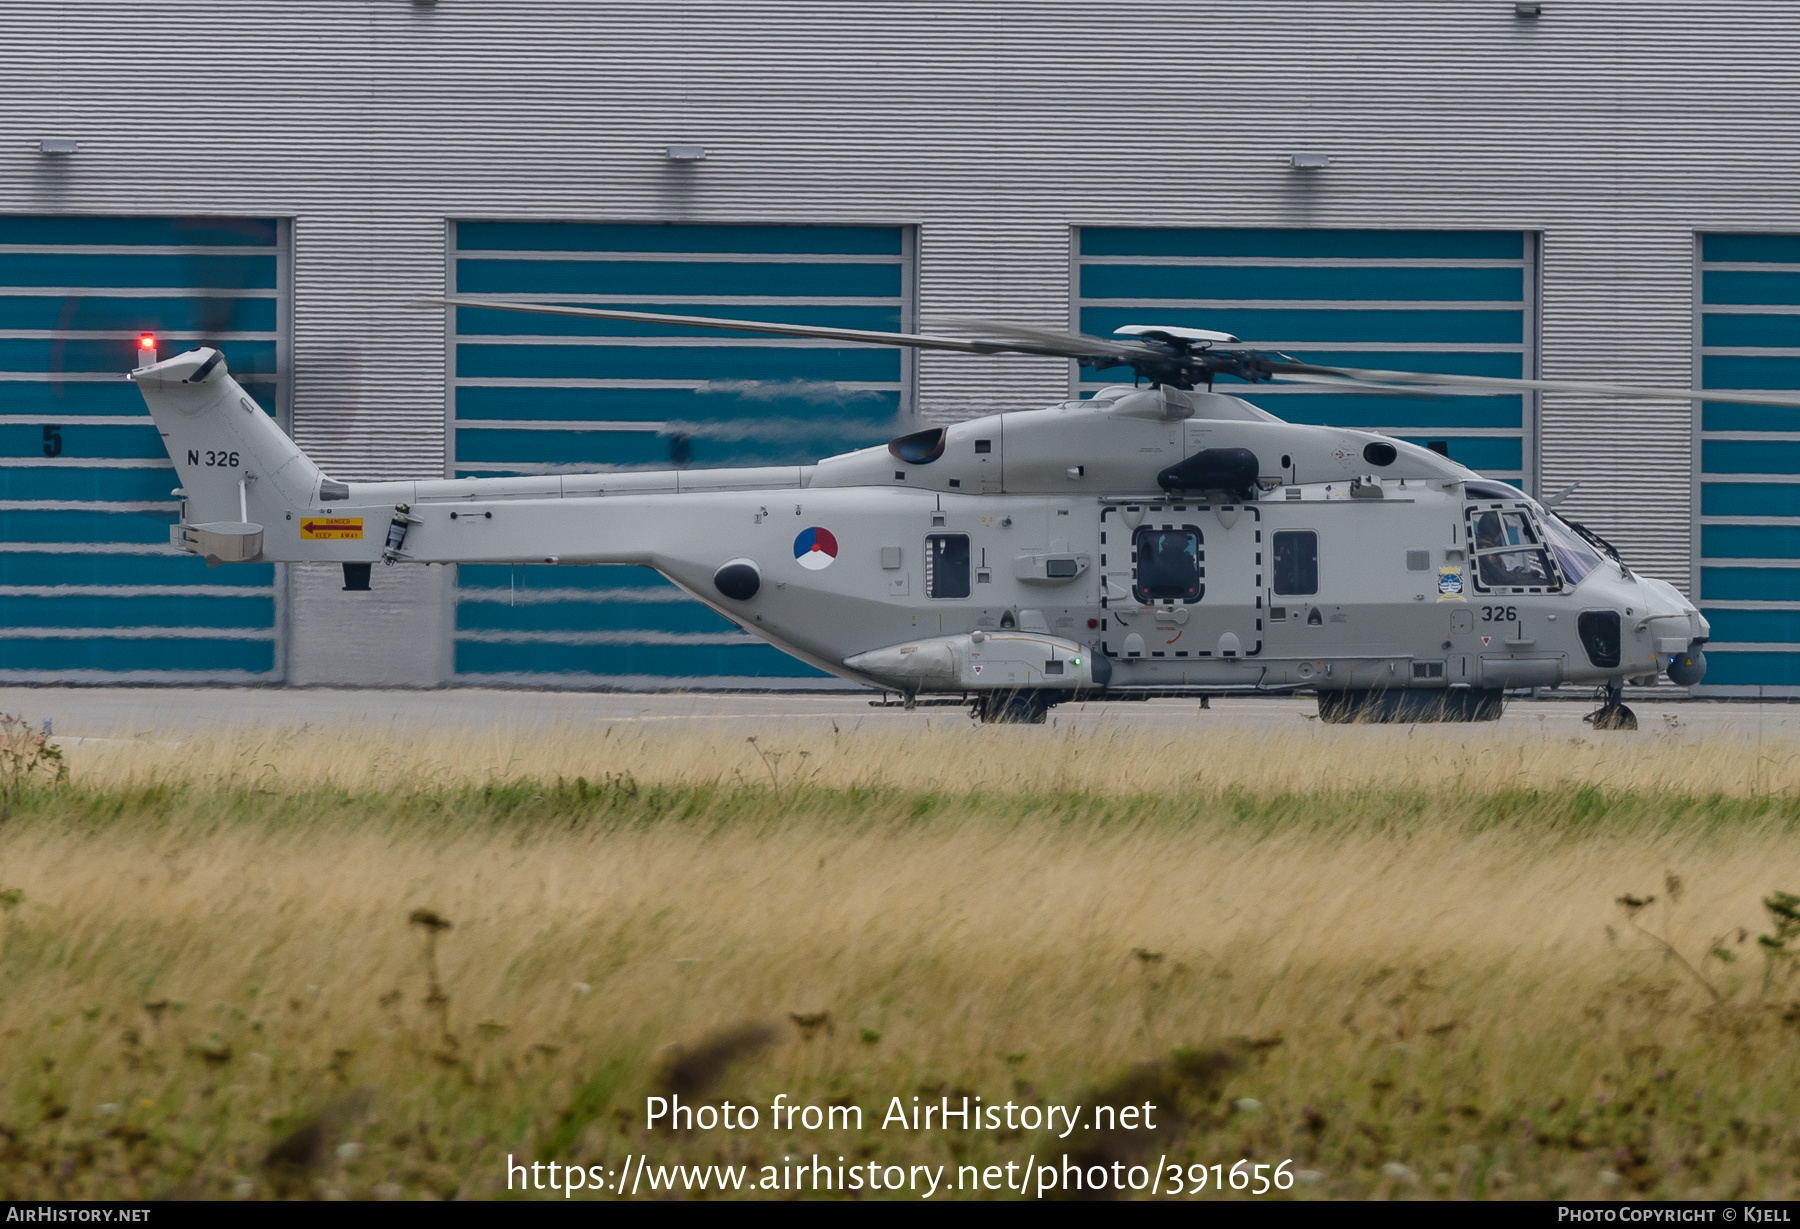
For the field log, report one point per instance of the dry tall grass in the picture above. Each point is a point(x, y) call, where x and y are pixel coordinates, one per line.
point(1395, 941)
point(957, 759)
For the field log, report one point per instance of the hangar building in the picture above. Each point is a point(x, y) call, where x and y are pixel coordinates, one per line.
point(1594, 189)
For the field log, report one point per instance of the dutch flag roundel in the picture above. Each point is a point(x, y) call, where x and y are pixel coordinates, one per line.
point(815, 548)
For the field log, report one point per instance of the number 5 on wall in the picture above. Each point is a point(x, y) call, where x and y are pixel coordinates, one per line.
point(52, 440)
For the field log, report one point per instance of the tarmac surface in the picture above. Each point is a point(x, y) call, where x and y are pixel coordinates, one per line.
point(106, 712)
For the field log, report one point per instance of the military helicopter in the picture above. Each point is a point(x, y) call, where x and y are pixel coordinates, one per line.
point(1159, 539)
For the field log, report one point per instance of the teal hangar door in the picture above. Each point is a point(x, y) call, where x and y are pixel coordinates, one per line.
point(1748, 460)
point(90, 589)
point(546, 395)
point(1459, 302)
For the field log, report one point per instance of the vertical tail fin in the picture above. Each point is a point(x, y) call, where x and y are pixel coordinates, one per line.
point(236, 465)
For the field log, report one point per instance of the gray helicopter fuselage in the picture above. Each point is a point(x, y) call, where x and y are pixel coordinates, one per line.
point(1033, 550)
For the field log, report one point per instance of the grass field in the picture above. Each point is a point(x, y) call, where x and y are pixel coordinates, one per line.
point(379, 961)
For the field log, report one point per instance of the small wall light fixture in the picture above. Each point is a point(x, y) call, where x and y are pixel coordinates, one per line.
point(687, 153)
point(58, 145)
point(1309, 162)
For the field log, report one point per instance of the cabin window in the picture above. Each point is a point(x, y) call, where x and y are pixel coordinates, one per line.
point(1169, 565)
point(947, 565)
point(1296, 561)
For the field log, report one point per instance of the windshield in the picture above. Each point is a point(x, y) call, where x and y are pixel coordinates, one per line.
point(1575, 556)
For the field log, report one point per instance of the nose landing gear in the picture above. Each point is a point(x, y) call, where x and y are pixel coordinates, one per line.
point(1612, 713)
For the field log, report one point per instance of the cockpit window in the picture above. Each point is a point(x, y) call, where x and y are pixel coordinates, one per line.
point(1514, 569)
point(1497, 536)
point(1494, 530)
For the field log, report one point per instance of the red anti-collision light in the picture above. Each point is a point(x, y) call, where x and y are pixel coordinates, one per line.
point(147, 341)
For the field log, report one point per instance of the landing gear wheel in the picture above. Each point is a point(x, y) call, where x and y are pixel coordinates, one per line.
point(1612, 713)
point(1612, 717)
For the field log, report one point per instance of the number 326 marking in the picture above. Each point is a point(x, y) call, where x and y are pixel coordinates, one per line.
point(1499, 614)
point(228, 459)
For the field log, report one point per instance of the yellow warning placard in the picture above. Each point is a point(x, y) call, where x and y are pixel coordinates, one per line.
point(331, 528)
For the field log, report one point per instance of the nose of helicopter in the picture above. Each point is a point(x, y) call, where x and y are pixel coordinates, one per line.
point(1673, 618)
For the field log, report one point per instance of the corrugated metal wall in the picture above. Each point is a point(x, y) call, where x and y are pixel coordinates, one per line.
point(535, 394)
point(90, 589)
point(1748, 312)
point(1616, 128)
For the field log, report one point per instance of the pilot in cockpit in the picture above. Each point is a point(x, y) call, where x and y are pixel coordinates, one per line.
point(1510, 568)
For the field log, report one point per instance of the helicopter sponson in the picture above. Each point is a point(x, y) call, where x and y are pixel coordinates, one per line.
point(1149, 541)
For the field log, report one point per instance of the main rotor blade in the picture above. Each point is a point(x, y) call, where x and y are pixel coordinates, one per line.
point(1069, 345)
point(1051, 341)
point(1500, 384)
point(864, 337)
point(1367, 389)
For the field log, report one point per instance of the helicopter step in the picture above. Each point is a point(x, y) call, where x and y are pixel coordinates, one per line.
point(1395, 705)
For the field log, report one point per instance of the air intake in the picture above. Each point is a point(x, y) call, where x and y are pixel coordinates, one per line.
point(1232, 470)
